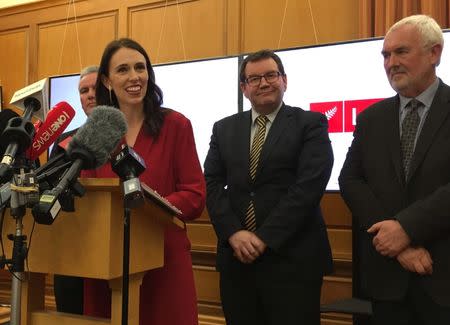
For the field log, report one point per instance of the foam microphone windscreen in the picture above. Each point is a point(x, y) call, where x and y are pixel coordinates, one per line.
point(101, 133)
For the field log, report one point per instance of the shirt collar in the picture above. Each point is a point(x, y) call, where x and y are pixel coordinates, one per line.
point(270, 116)
point(426, 97)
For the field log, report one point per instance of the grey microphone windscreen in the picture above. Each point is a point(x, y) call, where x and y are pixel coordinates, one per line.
point(101, 133)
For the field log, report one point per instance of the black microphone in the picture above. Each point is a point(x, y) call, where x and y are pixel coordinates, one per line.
point(90, 148)
point(49, 175)
point(128, 165)
point(5, 116)
point(18, 135)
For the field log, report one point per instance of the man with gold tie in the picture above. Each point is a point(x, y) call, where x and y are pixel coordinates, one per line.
point(266, 171)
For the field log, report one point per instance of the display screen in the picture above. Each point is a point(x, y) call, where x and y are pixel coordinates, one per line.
point(338, 80)
point(203, 91)
point(65, 88)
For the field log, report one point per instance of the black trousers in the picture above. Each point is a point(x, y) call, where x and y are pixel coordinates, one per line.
point(68, 294)
point(273, 290)
point(416, 308)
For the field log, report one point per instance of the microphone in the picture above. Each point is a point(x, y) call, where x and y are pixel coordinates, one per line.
point(58, 118)
point(90, 148)
point(49, 174)
point(56, 162)
point(5, 116)
point(128, 165)
point(17, 135)
point(38, 92)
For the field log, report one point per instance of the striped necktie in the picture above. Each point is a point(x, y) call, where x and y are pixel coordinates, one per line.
point(410, 126)
point(255, 152)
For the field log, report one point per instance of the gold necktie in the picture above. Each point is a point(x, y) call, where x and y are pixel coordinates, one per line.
point(258, 141)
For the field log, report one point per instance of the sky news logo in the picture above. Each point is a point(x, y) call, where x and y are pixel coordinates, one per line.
point(341, 115)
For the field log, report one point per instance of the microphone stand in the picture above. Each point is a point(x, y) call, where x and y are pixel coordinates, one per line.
point(133, 198)
point(128, 165)
point(125, 264)
point(24, 191)
point(129, 203)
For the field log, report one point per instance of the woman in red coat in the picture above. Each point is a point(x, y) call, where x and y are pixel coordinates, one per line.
point(164, 139)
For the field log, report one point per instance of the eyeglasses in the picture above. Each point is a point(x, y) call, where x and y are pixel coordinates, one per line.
point(270, 77)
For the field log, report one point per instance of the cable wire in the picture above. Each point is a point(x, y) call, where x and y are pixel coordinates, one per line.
point(180, 26)
point(161, 32)
point(313, 23)
point(65, 32)
point(282, 23)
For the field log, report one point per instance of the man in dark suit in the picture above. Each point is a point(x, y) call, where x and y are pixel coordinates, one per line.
point(395, 181)
point(266, 171)
point(68, 289)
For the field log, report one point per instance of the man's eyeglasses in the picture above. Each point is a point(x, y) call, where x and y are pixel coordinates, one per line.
point(270, 77)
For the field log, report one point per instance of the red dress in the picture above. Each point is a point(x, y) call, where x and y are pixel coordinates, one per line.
point(167, 294)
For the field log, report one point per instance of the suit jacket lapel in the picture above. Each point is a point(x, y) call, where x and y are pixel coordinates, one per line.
point(392, 133)
point(242, 141)
point(276, 130)
point(436, 116)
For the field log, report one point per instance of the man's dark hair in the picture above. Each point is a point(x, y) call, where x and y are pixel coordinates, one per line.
point(258, 56)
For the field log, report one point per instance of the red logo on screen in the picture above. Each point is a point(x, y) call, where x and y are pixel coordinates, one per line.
point(352, 108)
point(334, 113)
point(341, 115)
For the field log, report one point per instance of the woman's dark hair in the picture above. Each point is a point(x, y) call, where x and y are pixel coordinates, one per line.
point(154, 113)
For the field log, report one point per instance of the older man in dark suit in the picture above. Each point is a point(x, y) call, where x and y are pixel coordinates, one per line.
point(396, 181)
point(266, 171)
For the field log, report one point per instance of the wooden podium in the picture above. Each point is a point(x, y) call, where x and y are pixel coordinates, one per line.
point(89, 243)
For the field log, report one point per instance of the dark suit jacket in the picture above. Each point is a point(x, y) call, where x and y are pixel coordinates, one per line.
point(373, 186)
point(293, 170)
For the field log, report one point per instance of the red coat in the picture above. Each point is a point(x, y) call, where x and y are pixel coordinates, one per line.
point(173, 169)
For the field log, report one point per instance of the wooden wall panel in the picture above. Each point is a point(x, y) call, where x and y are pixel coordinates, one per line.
point(384, 13)
point(439, 9)
point(14, 67)
point(323, 22)
point(202, 237)
point(334, 210)
point(202, 23)
point(341, 243)
point(335, 288)
point(233, 27)
point(207, 284)
point(58, 42)
point(332, 320)
point(5, 287)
